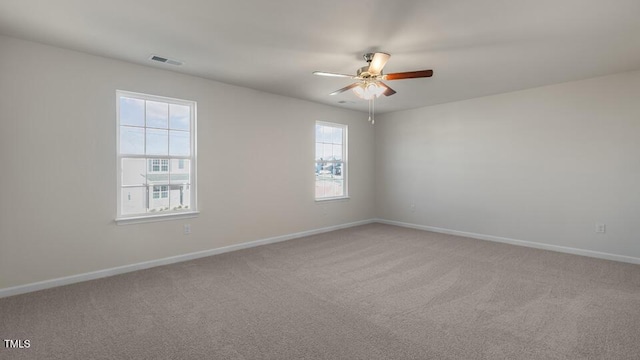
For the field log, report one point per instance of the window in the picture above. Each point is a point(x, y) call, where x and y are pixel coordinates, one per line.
point(157, 165)
point(161, 192)
point(156, 156)
point(331, 161)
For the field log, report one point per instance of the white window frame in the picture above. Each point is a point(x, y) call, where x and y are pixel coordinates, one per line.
point(170, 214)
point(345, 154)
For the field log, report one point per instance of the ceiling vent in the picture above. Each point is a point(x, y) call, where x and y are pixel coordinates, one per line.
point(165, 60)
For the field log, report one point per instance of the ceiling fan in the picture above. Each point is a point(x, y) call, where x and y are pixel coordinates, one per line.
point(369, 78)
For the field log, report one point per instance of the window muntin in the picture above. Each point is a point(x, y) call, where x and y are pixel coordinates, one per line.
point(156, 155)
point(330, 161)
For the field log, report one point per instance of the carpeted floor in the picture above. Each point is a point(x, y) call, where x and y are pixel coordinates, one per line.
point(369, 292)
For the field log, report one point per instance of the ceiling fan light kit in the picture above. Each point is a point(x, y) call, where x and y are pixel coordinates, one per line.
point(369, 78)
point(368, 91)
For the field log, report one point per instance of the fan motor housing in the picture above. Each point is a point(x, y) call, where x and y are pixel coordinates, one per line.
point(368, 57)
point(363, 73)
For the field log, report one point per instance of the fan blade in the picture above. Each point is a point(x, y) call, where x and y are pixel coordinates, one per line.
point(409, 75)
point(387, 90)
point(323, 73)
point(377, 63)
point(349, 87)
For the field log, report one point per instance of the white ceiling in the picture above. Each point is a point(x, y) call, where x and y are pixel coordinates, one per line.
point(475, 47)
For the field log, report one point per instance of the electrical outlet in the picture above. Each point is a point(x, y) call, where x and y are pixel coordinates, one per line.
point(601, 228)
point(187, 229)
point(413, 207)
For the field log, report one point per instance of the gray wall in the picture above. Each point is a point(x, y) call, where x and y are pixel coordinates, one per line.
point(58, 165)
point(541, 165)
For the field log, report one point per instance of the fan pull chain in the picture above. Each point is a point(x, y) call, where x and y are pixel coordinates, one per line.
point(373, 110)
point(369, 111)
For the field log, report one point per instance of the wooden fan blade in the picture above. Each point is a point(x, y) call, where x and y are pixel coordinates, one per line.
point(324, 73)
point(409, 75)
point(348, 87)
point(387, 90)
point(377, 63)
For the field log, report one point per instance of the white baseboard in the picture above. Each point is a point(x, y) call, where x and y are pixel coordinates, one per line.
point(46, 284)
point(531, 244)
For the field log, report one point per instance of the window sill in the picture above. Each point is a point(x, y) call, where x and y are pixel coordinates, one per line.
point(156, 218)
point(343, 198)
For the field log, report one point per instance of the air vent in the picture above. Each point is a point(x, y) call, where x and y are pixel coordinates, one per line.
point(165, 60)
point(158, 58)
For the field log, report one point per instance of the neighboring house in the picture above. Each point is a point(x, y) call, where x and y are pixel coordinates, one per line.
point(162, 185)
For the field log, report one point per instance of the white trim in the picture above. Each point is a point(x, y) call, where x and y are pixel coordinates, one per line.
point(156, 218)
point(333, 199)
point(531, 244)
point(46, 284)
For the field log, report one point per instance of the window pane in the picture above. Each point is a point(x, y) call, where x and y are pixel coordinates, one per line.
point(319, 166)
point(159, 201)
point(179, 117)
point(179, 144)
point(133, 200)
point(329, 180)
point(330, 131)
point(131, 140)
point(179, 197)
point(131, 111)
point(157, 171)
point(337, 136)
point(157, 114)
point(319, 133)
point(329, 188)
point(327, 133)
point(180, 175)
point(337, 152)
point(338, 186)
point(134, 172)
point(337, 171)
point(333, 170)
point(157, 142)
point(319, 154)
point(327, 151)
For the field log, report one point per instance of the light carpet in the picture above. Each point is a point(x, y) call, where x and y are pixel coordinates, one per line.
point(369, 292)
